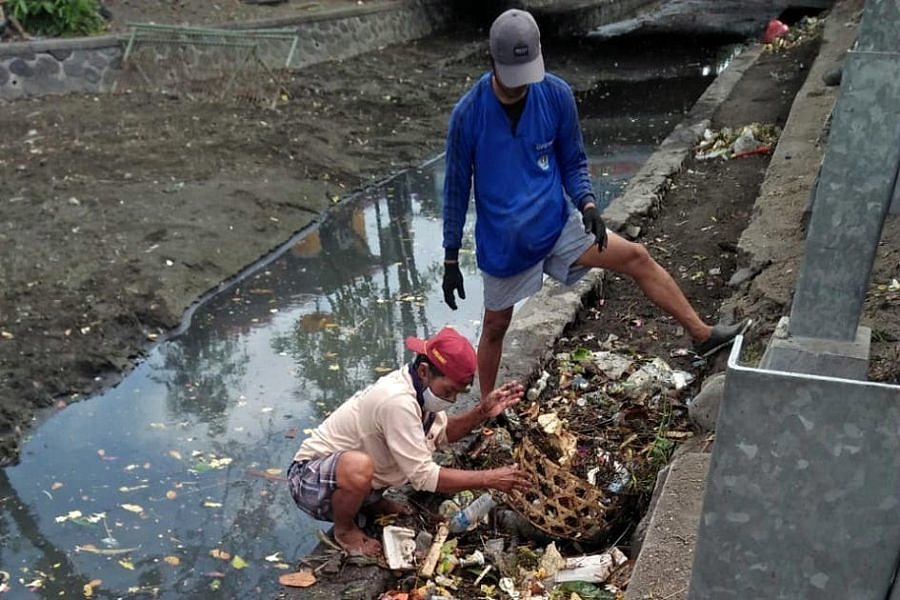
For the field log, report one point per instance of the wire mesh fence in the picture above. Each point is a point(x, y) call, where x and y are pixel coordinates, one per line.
point(208, 64)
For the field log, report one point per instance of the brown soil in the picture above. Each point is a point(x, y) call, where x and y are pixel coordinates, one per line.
point(104, 253)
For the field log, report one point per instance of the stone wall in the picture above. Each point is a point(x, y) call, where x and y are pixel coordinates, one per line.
point(91, 65)
point(58, 66)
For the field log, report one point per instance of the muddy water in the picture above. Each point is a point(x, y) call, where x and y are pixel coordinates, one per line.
point(170, 485)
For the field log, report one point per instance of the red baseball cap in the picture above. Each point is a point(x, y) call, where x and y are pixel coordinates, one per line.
point(449, 352)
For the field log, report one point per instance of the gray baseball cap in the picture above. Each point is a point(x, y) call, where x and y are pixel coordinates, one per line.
point(516, 48)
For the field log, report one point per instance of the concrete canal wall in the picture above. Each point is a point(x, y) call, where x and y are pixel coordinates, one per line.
point(91, 65)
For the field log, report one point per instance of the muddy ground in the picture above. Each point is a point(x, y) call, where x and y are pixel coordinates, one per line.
point(120, 211)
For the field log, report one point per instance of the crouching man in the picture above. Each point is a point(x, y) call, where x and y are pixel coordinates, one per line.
point(385, 434)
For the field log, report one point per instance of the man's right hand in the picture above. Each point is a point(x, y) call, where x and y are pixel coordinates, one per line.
point(594, 224)
point(507, 479)
point(453, 282)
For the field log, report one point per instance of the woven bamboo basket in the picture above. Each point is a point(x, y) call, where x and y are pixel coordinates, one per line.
point(561, 503)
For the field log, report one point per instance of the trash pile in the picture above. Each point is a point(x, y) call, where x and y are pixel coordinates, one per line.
point(448, 573)
point(602, 424)
point(594, 430)
point(755, 138)
point(782, 38)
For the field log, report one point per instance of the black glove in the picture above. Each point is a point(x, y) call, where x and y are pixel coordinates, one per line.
point(594, 224)
point(453, 282)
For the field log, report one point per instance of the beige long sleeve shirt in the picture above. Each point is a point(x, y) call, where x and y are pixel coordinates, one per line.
point(384, 421)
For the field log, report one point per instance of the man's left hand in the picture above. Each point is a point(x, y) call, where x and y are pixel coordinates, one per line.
point(590, 216)
point(501, 398)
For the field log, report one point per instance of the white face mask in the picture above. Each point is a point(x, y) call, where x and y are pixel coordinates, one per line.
point(431, 402)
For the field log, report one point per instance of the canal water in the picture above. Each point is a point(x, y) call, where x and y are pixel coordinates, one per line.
point(171, 484)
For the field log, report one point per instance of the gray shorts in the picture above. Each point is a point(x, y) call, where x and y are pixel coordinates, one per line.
point(502, 292)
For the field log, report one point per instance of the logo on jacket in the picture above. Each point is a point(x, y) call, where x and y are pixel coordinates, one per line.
point(543, 162)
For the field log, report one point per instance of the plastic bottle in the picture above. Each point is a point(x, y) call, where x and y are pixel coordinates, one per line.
point(535, 392)
point(473, 513)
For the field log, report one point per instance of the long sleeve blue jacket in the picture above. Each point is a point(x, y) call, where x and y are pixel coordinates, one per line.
point(519, 177)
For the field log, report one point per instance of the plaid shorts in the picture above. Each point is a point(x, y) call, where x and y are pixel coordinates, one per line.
point(313, 481)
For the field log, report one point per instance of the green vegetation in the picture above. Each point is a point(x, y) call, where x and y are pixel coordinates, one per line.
point(657, 454)
point(58, 17)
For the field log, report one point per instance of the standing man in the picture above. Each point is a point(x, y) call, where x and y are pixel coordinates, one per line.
point(516, 132)
point(385, 435)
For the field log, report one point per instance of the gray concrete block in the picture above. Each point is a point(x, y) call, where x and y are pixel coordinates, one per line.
point(4, 75)
point(803, 489)
point(834, 358)
point(855, 188)
point(703, 410)
point(663, 568)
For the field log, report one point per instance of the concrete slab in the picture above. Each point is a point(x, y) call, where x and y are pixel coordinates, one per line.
point(852, 198)
point(803, 489)
point(664, 567)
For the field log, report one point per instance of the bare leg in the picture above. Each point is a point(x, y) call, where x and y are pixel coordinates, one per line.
point(354, 482)
point(633, 260)
point(490, 347)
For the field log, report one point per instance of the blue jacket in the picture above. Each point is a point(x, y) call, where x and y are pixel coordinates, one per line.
point(519, 179)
